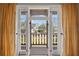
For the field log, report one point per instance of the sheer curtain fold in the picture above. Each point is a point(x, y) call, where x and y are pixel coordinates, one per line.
point(7, 29)
point(69, 17)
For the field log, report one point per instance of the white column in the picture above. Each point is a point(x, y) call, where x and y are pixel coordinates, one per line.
point(28, 32)
point(40, 38)
point(49, 34)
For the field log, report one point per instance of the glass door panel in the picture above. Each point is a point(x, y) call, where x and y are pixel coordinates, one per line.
point(55, 28)
point(23, 30)
point(55, 32)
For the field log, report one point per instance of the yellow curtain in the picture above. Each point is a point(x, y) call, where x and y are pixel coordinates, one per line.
point(69, 17)
point(7, 29)
point(78, 29)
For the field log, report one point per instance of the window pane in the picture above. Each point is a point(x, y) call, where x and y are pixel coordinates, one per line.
point(55, 28)
point(23, 20)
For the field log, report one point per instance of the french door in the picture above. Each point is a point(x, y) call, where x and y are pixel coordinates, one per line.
point(39, 30)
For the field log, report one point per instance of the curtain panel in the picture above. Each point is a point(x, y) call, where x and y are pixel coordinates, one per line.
point(69, 17)
point(7, 29)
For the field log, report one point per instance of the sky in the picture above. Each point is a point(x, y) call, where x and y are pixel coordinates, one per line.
point(55, 21)
point(39, 21)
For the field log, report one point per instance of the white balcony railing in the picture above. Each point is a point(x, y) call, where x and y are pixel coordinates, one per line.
point(39, 39)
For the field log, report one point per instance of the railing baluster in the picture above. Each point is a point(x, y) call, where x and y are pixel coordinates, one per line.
point(33, 37)
point(56, 38)
point(40, 38)
point(44, 39)
point(37, 38)
point(53, 39)
point(23, 39)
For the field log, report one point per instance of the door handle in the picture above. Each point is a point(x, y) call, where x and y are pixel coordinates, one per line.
point(61, 33)
point(17, 33)
point(30, 22)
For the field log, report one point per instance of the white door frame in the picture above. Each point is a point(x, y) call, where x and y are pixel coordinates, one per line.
point(29, 26)
point(60, 30)
point(18, 28)
point(49, 26)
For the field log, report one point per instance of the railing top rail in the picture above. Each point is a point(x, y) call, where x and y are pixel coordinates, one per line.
point(38, 33)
